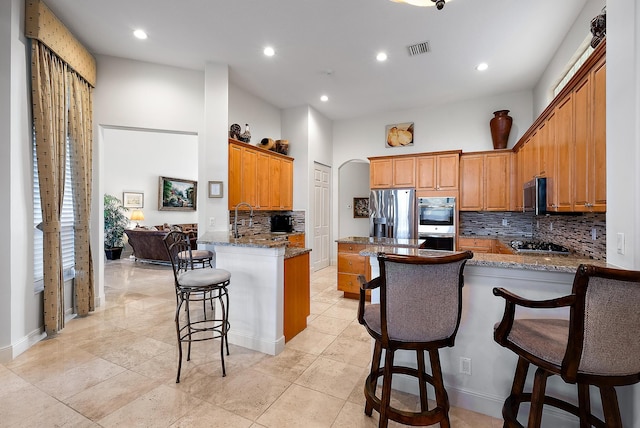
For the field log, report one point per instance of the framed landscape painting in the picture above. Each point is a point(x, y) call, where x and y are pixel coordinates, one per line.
point(176, 194)
point(133, 199)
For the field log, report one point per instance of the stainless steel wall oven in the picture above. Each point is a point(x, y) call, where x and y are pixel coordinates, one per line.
point(437, 222)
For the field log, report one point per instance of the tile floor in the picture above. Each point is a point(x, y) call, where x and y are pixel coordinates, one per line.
point(117, 367)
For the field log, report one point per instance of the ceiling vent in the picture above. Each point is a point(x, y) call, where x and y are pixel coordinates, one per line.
point(418, 48)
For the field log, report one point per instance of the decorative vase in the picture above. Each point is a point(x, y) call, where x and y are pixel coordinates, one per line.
point(500, 128)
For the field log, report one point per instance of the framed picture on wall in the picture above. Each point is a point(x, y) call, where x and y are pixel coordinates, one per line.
point(176, 194)
point(133, 199)
point(215, 189)
point(399, 135)
point(360, 207)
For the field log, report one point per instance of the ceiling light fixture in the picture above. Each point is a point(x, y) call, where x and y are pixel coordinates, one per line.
point(381, 57)
point(324, 98)
point(439, 4)
point(268, 51)
point(482, 66)
point(140, 34)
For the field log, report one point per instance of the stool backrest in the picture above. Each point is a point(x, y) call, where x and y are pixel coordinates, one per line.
point(421, 297)
point(177, 242)
point(604, 323)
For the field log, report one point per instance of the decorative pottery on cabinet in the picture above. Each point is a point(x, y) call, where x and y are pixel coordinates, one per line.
point(500, 128)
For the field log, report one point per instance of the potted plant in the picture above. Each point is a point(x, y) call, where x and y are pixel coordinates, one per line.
point(114, 224)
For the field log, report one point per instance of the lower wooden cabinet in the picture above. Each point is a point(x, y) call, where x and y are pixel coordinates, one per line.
point(350, 265)
point(296, 241)
point(297, 295)
point(483, 245)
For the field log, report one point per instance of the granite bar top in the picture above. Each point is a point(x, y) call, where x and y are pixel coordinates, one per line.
point(384, 242)
point(263, 240)
point(543, 262)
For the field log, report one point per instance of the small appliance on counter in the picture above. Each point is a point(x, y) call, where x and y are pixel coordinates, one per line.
point(281, 223)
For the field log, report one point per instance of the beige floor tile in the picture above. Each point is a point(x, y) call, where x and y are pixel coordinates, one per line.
point(353, 416)
point(137, 351)
point(349, 350)
point(57, 415)
point(311, 341)
point(318, 307)
point(159, 407)
point(288, 365)
point(207, 415)
point(345, 313)
point(302, 407)
point(331, 377)
point(328, 325)
point(106, 397)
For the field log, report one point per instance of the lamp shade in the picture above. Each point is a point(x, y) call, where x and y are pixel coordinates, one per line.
point(137, 215)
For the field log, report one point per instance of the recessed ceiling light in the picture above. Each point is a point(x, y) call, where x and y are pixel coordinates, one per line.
point(482, 66)
point(140, 34)
point(268, 51)
point(381, 57)
point(324, 98)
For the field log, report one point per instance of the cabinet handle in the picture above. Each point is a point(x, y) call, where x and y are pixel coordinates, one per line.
point(350, 248)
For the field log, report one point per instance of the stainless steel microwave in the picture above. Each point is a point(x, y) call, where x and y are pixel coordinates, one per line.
point(535, 196)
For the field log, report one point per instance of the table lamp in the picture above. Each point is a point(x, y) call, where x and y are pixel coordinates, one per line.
point(137, 216)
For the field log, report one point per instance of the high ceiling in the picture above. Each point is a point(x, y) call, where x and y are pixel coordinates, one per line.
point(330, 46)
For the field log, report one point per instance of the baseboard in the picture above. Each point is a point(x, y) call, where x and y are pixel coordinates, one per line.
point(10, 352)
point(255, 343)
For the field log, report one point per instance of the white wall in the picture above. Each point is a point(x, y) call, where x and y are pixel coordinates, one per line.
point(125, 151)
point(262, 117)
point(20, 307)
point(354, 183)
point(565, 55)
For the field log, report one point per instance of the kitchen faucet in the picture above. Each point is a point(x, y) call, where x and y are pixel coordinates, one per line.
point(235, 219)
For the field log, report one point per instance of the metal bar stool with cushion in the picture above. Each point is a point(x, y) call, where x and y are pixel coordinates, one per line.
point(420, 307)
point(198, 285)
point(598, 345)
point(196, 257)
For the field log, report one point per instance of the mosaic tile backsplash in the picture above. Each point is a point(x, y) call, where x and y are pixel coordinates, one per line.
point(574, 231)
point(262, 221)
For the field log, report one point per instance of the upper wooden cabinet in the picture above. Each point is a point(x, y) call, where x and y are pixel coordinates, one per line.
point(567, 143)
point(392, 172)
point(259, 177)
point(485, 181)
point(438, 172)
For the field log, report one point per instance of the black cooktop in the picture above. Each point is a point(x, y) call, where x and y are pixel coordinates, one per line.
point(538, 247)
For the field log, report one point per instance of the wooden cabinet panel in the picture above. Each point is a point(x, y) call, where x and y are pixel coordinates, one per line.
point(426, 173)
point(476, 245)
point(350, 265)
point(349, 284)
point(564, 152)
point(286, 183)
point(263, 174)
point(551, 166)
point(497, 172)
point(448, 171)
point(582, 134)
point(275, 184)
point(381, 173)
point(297, 295)
point(599, 164)
point(471, 182)
point(296, 241)
point(235, 175)
point(404, 172)
point(249, 192)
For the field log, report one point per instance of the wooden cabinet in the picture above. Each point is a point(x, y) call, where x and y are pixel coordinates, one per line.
point(485, 181)
point(392, 172)
point(483, 245)
point(296, 241)
point(563, 182)
point(297, 295)
point(350, 265)
point(439, 172)
point(259, 177)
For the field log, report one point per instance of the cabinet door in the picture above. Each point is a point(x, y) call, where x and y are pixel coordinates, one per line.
point(564, 153)
point(599, 177)
point(582, 136)
point(235, 175)
point(448, 172)
point(287, 184)
point(404, 172)
point(275, 183)
point(551, 167)
point(264, 178)
point(381, 173)
point(543, 146)
point(426, 173)
point(249, 192)
point(471, 182)
point(497, 172)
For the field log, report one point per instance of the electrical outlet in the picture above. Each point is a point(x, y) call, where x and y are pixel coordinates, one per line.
point(465, 365)
point(212, 221)
point(620, 243)
point(550, 226)
point(594, 234)
point(505, 222)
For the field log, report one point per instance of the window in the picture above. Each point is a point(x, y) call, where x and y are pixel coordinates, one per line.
point(66, 226)
point(588, 50)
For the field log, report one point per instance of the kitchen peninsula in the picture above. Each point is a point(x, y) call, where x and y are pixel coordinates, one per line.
point(488, 381)
point(269, 289)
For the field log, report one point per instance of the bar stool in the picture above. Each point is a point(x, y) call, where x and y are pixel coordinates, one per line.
point(201, 286)
point(196, 257)
point(419, 310)
point(598, 345)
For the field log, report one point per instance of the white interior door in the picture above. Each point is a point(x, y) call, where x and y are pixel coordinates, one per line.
point(321, 215)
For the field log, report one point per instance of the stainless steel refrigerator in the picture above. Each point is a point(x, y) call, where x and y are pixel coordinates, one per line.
point(392, 213)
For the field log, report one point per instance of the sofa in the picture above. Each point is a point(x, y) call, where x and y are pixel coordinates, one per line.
point(148, 245)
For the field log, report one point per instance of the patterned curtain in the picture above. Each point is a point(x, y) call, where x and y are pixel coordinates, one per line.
point(81, 145)
point(49, 91)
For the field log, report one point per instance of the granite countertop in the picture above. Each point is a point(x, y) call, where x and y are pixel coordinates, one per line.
point(263, 240)
point(540, 262)
point(384, 242)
